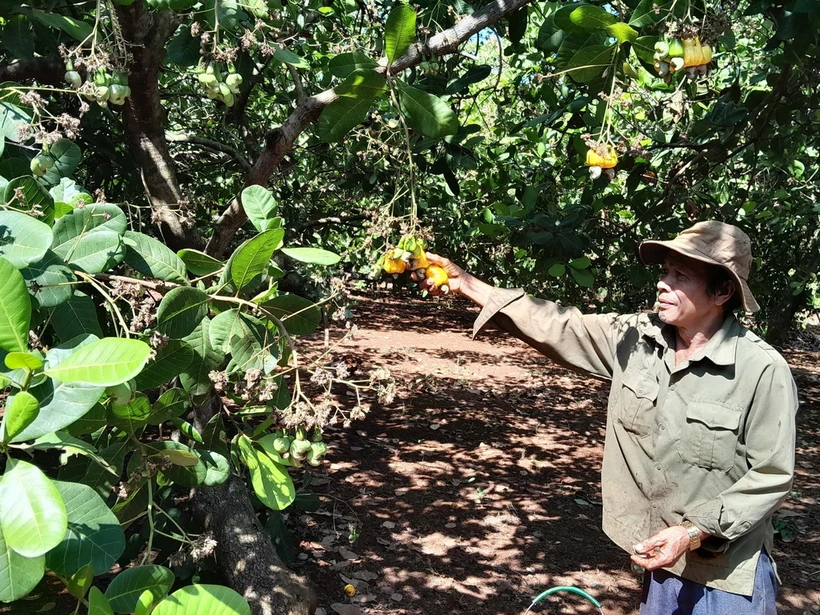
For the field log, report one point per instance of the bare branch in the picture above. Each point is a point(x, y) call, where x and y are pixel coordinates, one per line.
point(178, 137)
point(47, 71)
point(280, 141)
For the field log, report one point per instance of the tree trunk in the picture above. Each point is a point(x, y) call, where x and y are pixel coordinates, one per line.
point(245, 553)
point(781, 318)
point(146, 33)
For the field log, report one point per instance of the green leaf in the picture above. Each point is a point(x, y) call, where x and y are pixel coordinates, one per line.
point(131, 417)
point(32, 513)
point(153, 258)
point(251, 258)
point(362, 83)
point(127, 586)
point(623, 32)
point(344, 64)
point(171, 404)
point(218, 468)
point(18, 575)
point(195, 379)
point(577, 41)
point(183, 49)
point(591, 17)
point(70, 446)
point(230, 14)
point(60, 405)
point(286, 56)
point(68, 193)
point(144, 603)
point(106, 362)
point(23, 360)
point(50, 281)
point(260, 207)
point(649, 12)
point(11, 116)
point(341, 116)
point(426, 113)
point(582, 277)
point(75, 29)
point(15, 309)
point(203, 600)
point(94, 534)
point(20, 413)
point(580, 263)
point(90, 422)
point(187, 430)
point(227, 325)
point(473, 75)
point(170, 362)
point(198, 262)
point(80, 582)
point(97, 603)
point(77, 316)
point(92, 253)
point(271, 482)
point(181, 311)
point(590, 62)
point(18, 38)
point(23, 239)
point(185, 475)
point(517, 24)
point(300, 316)
point(33, 196)
point(313, 256)
point(67, 157)
point(399, 31)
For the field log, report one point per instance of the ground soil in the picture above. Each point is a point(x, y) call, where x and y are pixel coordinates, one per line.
point(478, 486)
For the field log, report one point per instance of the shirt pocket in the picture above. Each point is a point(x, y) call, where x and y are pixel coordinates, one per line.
point(710, 435)
point(637, 398)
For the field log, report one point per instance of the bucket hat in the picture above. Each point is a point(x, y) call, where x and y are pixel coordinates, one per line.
point(716, 243)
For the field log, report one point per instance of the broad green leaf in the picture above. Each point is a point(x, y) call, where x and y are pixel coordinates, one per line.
point(300, 316)
point(11, 116)
point(251, 258)
point(473, 75)
point(260, 207)
point(23, 239)
point(144, 603)
point(131, 417)
point(77, 30)
point(187, 475)
point(106, 362)
point(582, 277)
point(18, 38)
point(227, 325)
point(49, 280)
point(171, 404)
point(649, 12)
point(93, 252)
point(286, 56)
point(90, 422)
point(344, 64)
point(70, 446)
point(78, 223)
point(218, 468)
point(67, 157)
point(94, 534)
point(198, 262)
point(195, 378)
point(271, 482)
point(15, 309)
point(580, 263)
point(183, 49)
point(32, 513)
point(92, 474)
point(77, 316)
point(399, 31)
point(80, 582)
point(254, 350)
point(127, 586)
point(362, 83)
point(230, 14)
point(18, 575)
point(341, 116)
point(185, 459)
point(623, 32)
point(557, 270)
point(426, 113)
point(97, 603)
point(23, 360)
point(181, 311)
point(203, 600)
point(69, 193)
point(21, 411)
point(153, 258)
point(187, 430)
point(644, 48)
point(517, 24)
point(577, 41)
point(591, 17)
point(31, 196)
point(313, 256)
point(60, 405)
point(590, 62)
point(170, 362)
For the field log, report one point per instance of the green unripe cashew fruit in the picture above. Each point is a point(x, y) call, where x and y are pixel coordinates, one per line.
point(122, 394)
point(37, 168)
point(300, 446)
point(73, 78)
point(317, 453)
point(233, 81)
point(282, 444)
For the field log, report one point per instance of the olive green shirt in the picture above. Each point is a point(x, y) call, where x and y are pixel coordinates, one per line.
point(710, 439)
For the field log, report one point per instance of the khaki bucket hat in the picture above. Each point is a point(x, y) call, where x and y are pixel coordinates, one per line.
point(712, 242)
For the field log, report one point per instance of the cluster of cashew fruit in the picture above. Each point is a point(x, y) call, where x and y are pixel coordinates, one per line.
point(602, 160)
point(217, 88)
point(298, 449)
point(676, 55)
point(108, 87)
point(409, 256)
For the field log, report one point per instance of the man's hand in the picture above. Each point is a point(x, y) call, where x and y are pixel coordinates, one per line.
point(456, 274)
point(663, 549)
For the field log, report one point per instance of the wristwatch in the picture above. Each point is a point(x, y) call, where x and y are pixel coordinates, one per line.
point(694, 534)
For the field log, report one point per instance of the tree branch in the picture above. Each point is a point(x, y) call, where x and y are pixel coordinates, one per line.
point(280, 141)
point(178, 137)
point(47, 71)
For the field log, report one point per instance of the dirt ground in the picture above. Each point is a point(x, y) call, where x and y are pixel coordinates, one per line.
point(478, 487)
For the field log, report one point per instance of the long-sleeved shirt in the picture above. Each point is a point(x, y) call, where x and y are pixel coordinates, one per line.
point(710, 439)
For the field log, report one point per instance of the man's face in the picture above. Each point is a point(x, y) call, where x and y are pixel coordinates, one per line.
point(682, 297)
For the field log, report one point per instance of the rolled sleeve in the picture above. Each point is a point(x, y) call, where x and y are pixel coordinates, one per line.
point(770, 440)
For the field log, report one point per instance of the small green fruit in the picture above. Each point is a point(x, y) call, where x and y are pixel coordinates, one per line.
point(73, 78)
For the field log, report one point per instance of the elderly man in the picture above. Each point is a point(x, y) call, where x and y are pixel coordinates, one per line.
point(700, 429)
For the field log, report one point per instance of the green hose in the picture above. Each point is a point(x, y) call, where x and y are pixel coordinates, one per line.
point(564, 588)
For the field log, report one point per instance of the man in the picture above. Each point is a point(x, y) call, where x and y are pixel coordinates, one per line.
point(700, 432)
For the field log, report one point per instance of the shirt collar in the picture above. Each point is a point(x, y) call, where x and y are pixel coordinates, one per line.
point(721, 349)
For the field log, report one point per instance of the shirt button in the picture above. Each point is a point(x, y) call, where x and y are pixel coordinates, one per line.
point(671, 387)
point(658, 466)
point(662, 427)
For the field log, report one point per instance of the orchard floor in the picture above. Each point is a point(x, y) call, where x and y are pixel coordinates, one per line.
point(478, 486)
